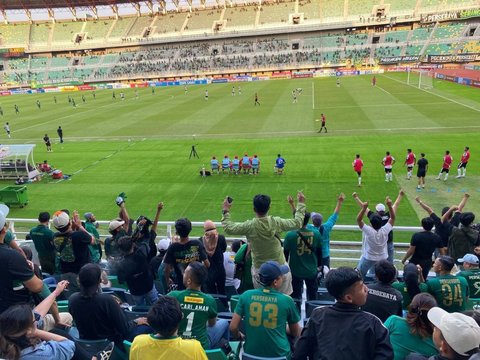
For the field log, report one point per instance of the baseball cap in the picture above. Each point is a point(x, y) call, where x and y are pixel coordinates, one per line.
point(316, 217)
point(60, 219)
point(114, 224)
point(163, 244)
point(461, 332)
point(469, 258)
point(380, 207)
point(4, 210)
point(88, 215)
point(271, 270)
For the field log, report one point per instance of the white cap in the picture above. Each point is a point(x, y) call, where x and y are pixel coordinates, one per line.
point(163, 244)
point(380, 207)
point(115, 224)
point(4, 210)
point(461, 332)
point(60, 219)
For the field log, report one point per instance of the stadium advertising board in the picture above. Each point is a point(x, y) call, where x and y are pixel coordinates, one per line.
point(12, 52)
point(5, 93)
point(449, 15)
point(302, 74)
point(398, 59)
point(458, 58)
point(281, 75)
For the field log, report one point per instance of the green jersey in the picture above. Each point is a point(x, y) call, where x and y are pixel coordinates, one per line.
point(402, 287)
point(450, 292)
point(241, 257)
point(42, 238)
point(302, 252)
point(266, 313)
point(473, 280)
point(197, 309)
point(94, 251)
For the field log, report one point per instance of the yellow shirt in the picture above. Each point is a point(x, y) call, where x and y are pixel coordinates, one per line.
point(148, 347)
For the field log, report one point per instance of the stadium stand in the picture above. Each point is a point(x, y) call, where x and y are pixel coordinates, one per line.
point(241, 16)
point(448, 31)
point(310, 9)
point(421, 34)
point(66, 31)
point(396, 36)
point(332, 9)
point(171, 22)
point(58, 62)
point(440, 49)
point(202, 20)
point(357, 39)
point(97, 30)
point(14, 34)
point(361, 7)
point(40, 33)
point(121, 27)
point(38, 63)
point(275, 13)
point(140, 25)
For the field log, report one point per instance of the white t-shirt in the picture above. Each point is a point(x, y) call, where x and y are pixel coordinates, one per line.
point(229, 265)
point(374, 243)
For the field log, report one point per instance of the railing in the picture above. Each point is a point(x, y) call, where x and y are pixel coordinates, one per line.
point(342, 252)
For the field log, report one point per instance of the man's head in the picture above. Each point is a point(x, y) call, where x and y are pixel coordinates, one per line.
point(466, 218)
point(387, 153)
point(317, 219)
point(195, 275)
point(409, 151)
point(89, 279)
point(261, 204)
point(427, 223)
point(422, 155)
point(43, 217)
point(385, 272)
point(61, 221)
point(115, 226)
point(236, 244)
point(469, 261)
point(346, 285)
point(455, 335)
point(183, 226)
point(90, 217)
point(125, 244)
point(443, 264)
point(357, 156)
point(447, 152)
point(466, 148)
point(163, 245)
point(271, 274)
point(376, 221)
point(165, 316)
point(210, 229)
point(380, 208)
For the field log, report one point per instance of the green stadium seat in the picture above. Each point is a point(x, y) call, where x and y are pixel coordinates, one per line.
point(215, 354)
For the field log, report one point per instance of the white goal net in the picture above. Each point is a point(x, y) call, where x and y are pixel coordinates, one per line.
point(423, 79)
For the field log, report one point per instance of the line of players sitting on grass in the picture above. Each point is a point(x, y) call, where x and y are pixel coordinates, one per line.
point(246, 164)
point(365, 317)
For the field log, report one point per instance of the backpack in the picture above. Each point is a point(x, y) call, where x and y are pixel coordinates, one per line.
point(64, 247)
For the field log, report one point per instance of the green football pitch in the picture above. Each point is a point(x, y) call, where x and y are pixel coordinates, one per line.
point(142, 146)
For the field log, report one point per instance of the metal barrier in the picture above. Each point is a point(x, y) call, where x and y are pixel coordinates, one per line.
point(342, 252)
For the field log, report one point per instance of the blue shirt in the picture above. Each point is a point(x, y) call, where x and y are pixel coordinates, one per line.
point(226, 162)
point(325, 234)
point(245, 160)
point(255, 161)
point(236, 162)
point(48, 350)
point(214, 162)
point(280, 162)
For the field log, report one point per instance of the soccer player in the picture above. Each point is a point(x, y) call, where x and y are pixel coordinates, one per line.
point(239, 90)
point(338, 82)
point(46, 140)
point(279, 164)
point(422, 171)
point(255, 161)
point(357, 167)
point(233, 90)
point(122, 96)
point(136, 94)
point(447, 162)
point(387, 163)
point(410, 162)
point(83, 99)
point(94, 95)
point(246, 165)
point(17, 110)
point(113, 95)
point(256, 100)
point(267, 313)
point(236, 165)
point(60, 134)
point(324, 120)
point(226, 164)
point(462, 167)
point(7, 129)
point(73, 103)
point(38, 104)
point(294, 96)
point(214, 165)
point(374, 81)
point(185, 90)
point(54, 99)
point(206, 95)
point(1, 111)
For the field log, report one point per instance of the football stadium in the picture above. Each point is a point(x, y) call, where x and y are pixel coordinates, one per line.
point(136, 122)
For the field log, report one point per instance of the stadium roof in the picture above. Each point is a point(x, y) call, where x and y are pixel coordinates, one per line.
point(42, 4)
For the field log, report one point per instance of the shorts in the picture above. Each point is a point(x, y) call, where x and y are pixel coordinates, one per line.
point(421, 173)
point(445, 170)
point(359, 173)
point(388, 170)
point(462, 165)
point(409, 167)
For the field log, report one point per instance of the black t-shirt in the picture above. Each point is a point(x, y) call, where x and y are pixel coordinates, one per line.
point(149, 239)
point(135, 271)
point(14, 270)
point(442, 229)
point(422, 164)
point(73, 250)
point(98, 317)
point(385, 217)
point(216, 271)
point(180, 255)
point(425, 243)
point(383, 300)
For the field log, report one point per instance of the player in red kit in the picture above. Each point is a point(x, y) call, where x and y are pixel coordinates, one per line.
point(324, 120)
point(410, 162)
point(462, 167)
point(357, 167)
point(374, 81)
point(447, 162)
point(387, 163)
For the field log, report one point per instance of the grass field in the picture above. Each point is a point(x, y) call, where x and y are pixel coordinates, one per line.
point(141, 146)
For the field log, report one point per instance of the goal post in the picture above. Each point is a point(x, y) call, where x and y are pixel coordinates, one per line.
point(423, 79)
